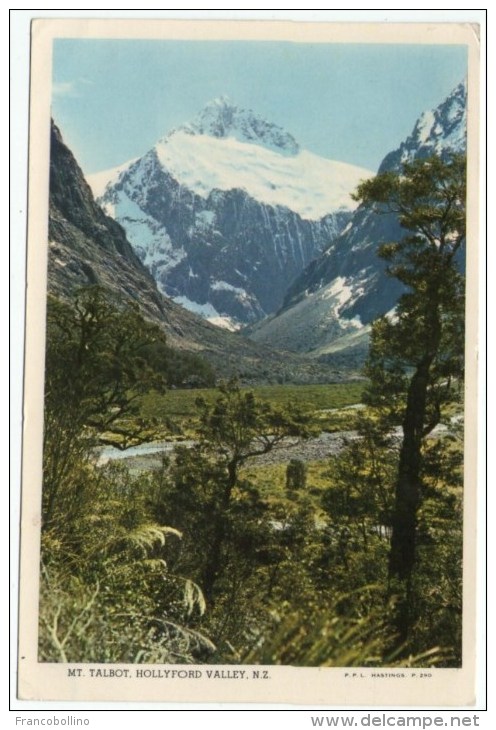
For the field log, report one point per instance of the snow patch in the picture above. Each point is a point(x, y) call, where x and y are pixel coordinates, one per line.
point(208, 312)
point(425, 125)
point(310, 185)
point(225, 323)
point(204, 310)
point(98, 181)
point(339, 291)
point(224, 286)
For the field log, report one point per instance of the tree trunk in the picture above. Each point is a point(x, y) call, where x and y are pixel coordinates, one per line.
point(213, 565)
point(409, 482)
point(407, 498)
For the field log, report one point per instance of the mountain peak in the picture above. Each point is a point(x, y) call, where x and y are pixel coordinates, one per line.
point(446, 125)
point(221, 118)
point(437, 131)
point(221, 101)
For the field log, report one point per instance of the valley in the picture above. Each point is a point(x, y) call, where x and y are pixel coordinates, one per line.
point(175, 414)
point(253, 430)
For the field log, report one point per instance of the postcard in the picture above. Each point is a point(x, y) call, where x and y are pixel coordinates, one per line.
point(249, 455)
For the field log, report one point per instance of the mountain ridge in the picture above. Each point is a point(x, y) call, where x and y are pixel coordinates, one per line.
point(222, 118)
point(225, 224)
point(343, 290)
point(86, 247)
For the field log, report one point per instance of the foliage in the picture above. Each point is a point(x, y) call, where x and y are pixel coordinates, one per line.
point(107, 593)
point(224, 512)
point(95, 371)
point(426, 329)
point(95, 362)
point(286, 578)
point(326, 402)
point(363, 473)
point(415, 364)
point(296, 474)
point(215, 557)
point(329, 636)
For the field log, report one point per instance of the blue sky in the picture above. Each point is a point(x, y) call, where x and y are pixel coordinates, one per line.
point(113, 99)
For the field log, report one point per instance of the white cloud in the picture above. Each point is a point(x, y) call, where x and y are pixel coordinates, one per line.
point(64, 88)
point(70, 88)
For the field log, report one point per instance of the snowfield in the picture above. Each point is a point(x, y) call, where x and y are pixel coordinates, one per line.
point(228, 148)
point(310, 185)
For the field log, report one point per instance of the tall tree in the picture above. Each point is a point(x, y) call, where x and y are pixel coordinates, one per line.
point(416, 353)
point(96, 369)
point(208, 491)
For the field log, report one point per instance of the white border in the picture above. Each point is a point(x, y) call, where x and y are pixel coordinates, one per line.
point(20, 44)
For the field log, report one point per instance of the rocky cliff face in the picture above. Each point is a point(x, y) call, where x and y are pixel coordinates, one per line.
point(227, 210)
point(86, 246)
point(437, 131)
point(331, 304)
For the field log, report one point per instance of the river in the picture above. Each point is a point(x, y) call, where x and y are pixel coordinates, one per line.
point(149, 455)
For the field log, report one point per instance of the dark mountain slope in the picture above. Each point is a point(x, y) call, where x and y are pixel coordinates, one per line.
point(343, 290)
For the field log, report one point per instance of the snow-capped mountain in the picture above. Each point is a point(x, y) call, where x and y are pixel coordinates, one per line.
point(437, 131)
point(332, 303)
point(88, 248)
point(221, 119)
point(227, 210)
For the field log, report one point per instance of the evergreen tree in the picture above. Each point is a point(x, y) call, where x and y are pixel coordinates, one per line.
point(96, 370)
point(217, 506)
point(416, 356)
